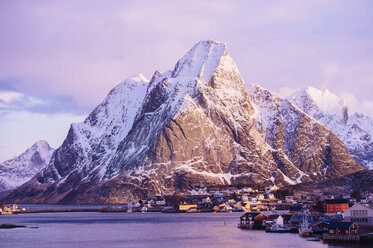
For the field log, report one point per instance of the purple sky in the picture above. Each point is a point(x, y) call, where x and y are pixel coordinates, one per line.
point(60, 58)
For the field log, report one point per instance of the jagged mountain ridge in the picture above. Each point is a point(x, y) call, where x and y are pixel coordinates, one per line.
point(356, 131)
point(15, 172)
point(298, 140)
point(195, 125)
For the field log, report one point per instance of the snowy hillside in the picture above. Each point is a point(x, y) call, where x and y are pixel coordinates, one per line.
point(17, 171)
point(356, 130)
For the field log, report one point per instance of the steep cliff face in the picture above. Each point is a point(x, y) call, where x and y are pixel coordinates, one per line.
point(194, 125)
point(78, 165)
point(356, 131)
point(17, 171)
point(299, 140)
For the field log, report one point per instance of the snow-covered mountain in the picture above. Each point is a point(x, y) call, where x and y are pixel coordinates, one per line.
point(191, 126)
point(17, 171)
point(356, 131)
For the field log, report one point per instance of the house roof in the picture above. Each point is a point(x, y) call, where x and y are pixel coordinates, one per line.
point(252, 214)
point(336, 201)
point(361, 205)
point(298, 218)
point(286, 216)
point(273, 216)
point(260, 217)
point(316, 223)
point(340, 224)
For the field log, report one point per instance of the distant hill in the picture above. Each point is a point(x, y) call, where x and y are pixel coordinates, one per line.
point(17, 171)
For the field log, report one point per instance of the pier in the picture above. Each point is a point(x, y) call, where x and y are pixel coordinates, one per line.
point(340, 238)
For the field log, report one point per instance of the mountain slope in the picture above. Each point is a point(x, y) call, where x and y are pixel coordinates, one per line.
point(17, 171)
point(356, 131)
point(195, 125)
point(298, 139)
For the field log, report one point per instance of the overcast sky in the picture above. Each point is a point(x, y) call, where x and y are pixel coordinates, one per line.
point(59, 59)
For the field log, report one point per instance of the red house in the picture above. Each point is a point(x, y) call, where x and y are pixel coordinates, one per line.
point(343, 229)
point(334, 206)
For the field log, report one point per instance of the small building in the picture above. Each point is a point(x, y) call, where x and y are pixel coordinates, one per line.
point(259, 208)
point(279, 221)
point(260, 197)
point(271, 220)
point(319, 227)
point(286, 219)
point(297, 219)
point(343, 229)
point(271, 197)
point(159, 200)
point(224, 207)
point(289, 198)
point(360, 214)
point(247, 220)
point(245, 197)
point(333, 206)
point(247, 189)
point(199, 191)
point(259, 221)
point(186, 207)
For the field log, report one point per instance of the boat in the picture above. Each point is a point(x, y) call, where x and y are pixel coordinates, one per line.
point(304, 229)
point(278, 229)
point(144, 209)
point(314, 239)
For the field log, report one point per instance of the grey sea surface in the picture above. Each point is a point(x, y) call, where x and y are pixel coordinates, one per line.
point(94, 229)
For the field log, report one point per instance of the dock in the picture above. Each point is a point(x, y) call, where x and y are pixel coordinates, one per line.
point(340, 238)
point(31, 211)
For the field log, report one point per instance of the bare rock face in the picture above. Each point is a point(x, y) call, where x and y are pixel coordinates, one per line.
point(194, 126)
point(299, 140)
point(355, 131)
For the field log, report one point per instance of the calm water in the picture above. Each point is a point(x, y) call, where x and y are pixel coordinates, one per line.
point(78, 230)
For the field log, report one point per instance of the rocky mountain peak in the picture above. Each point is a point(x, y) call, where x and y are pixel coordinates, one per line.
point(139, 78)
point(191, 126)
point(354, 130)
point(19, 170)
point(317, 102)
point(203, 60)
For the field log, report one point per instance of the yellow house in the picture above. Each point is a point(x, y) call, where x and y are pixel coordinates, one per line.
point(185, 207)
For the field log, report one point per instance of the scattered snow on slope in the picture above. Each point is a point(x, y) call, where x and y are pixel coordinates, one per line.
point(356, 131)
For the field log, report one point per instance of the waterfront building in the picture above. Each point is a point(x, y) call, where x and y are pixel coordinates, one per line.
point(360, 214)
point(343, 228)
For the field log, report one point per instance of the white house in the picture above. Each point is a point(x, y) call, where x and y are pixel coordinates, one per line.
point(245, 197)
point(271, 196)
point(247, 189)
point(279, 221)
point(360, 214)
point(260, 197)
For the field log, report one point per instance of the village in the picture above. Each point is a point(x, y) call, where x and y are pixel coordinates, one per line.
point(316, 216)
point(323, 216)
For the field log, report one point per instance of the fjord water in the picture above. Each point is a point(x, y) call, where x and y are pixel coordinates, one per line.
point(94, 229)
